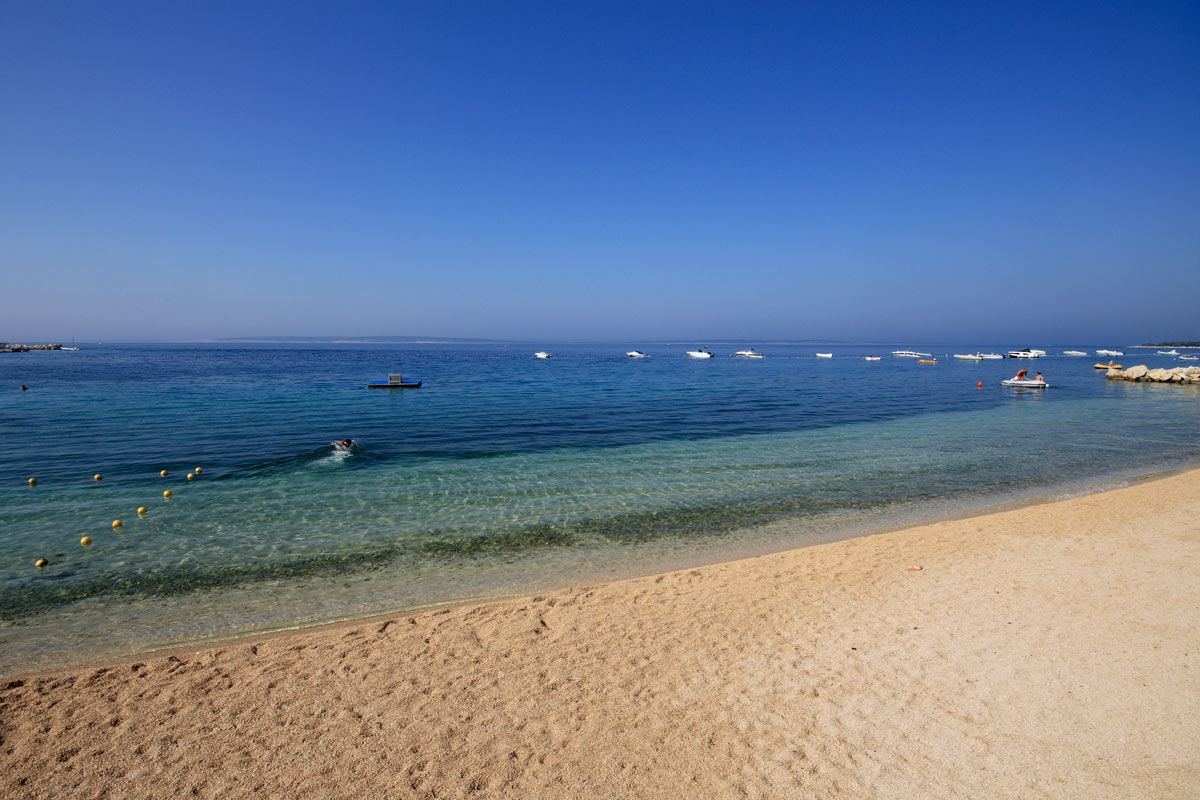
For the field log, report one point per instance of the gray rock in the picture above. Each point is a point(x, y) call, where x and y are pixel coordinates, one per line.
point(1133, 373)
point(1159, 375)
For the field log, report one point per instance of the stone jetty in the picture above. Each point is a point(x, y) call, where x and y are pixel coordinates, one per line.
point(1144, 374)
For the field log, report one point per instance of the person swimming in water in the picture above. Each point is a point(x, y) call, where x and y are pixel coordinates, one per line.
point(343, 444)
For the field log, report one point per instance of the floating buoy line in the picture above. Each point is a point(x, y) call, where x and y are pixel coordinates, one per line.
point(117, 524)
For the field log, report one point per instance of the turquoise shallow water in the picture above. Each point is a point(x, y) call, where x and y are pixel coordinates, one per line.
point(500, 474)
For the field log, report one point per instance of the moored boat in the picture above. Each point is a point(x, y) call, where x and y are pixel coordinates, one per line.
point(1026, 352)
point(1110, 353)
point(636, 354)
point(541, 354)
point(1025, 384)
point(872, 358)
point(824, 355)
point(1074, 353)
point(911, 354)
point(991, 356)
point(703, 352)
point(968, 357)
point(1171, 352)
point(750, 353)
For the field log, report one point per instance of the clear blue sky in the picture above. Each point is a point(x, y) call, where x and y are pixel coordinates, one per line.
point(600, 171)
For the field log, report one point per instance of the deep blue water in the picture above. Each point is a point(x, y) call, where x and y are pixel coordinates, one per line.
point(500, 472)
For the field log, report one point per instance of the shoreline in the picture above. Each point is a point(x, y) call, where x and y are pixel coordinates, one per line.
point(758, 542)
point(1047, 650)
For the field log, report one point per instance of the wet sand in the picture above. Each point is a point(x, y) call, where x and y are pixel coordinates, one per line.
point(1049, 651)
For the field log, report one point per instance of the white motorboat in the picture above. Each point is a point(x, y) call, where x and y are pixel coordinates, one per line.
point(703, 352)
point(1188, 358)
point(636, 354)
point(748, 354)
point(541, 354)
point(824, 355)
point(1110, 353)
point(872, 358)
point(1074, 353)
point(1026, 353)
point(968, 357)
point(1025, 384)
point(991, 356)
point(911, 354)
point(1171, 352)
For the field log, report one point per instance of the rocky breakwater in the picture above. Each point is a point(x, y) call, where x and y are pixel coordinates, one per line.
point(1144, 374)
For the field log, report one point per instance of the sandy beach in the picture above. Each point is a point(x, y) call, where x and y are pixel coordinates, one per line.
point(1049, 651)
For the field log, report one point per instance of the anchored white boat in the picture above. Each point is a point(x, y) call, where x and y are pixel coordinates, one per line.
point(1171, 352)
point(541, 354)
point(824, 355)
point(749, 354)
point(872, 358)
point(703, 352)
point(1074, 353)
point(1188, 358)
point(1025, 384)
point(1110, 353)
point(1026, 352)
point(968, 357)
point(991, 356)
point(636, 354)
point(911, 354)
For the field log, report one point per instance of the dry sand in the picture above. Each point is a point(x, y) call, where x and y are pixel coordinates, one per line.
point(1045, 652)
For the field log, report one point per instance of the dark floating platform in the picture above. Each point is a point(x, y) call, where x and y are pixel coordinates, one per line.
point(394, 381)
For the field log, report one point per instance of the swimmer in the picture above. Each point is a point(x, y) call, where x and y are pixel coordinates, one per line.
point(344, 444)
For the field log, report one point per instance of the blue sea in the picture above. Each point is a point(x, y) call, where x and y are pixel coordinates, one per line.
point(502, 474)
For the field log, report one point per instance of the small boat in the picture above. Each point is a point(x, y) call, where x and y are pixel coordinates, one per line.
point(926, 360)
point(976, 357)
point(911, 354)
point(824, 355)
point(1026, 353)
point(1028, 383)
point(636, 354)
point(395, 381)
point(1109, 365)
point(748, 354)
point(1074, 353)
point(991, 356)
point(1171, 352)
point(703, 352)
point(1188, 358)
point(1110, 353)
point(872, 358)
point(541, 354)
point(73, 349)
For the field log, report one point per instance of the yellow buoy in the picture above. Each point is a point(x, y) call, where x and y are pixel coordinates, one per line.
point(117, 523)
point(163, 473)
point(85, 541)
point(191, 477)
point(198, 470)
point(167, 494)
point(142, 511)
point(33, 481)
point(97, 477)
point(41, 562)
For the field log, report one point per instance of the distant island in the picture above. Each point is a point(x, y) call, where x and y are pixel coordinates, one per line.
point(345, 340)
point(1171, 344)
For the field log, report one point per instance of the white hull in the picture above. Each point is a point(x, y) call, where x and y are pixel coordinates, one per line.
point(1074, 353)
point(541, 354)
point(1110, 353)
point(1026, 384)
point(992, 356)
point(699, 354)
point(911, 354)
point(748, 354)
point(968, 357)
point(824, 355)
point(636, 354)
point(1160, 352)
